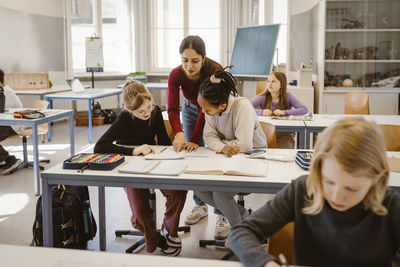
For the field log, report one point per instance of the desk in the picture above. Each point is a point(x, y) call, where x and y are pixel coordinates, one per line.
point(88, 95)
point(8, 119)
point(25, 256)
point(288, 126)
point(42, 92)
point(321, 121)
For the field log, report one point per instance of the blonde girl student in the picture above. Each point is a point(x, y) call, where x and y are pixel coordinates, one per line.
point(343, 212)
point(231, 126)
point(275, 101)
point(138, 125)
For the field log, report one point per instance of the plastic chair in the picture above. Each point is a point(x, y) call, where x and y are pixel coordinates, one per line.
point(392, 137)
point(170, 132)
point(42, 131)
point(282, 242)
point(356, 103)
point(270, 133)
point(261, 87)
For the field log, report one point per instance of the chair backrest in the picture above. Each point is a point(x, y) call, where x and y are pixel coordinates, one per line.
point(392, 137)
point(356, 103)
point(270, 133)
point(261, 86)
point(282, 242)
point(170, 132)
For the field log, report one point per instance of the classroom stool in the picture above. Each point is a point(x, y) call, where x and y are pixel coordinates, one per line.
point(139, 245)
point(25, 163)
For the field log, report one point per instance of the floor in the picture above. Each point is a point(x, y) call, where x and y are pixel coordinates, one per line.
point(18, 201)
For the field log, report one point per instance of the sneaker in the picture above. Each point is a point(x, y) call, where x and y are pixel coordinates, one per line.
point(170, 246)
point(222, 227)
point(196, 214)
point(11, 166)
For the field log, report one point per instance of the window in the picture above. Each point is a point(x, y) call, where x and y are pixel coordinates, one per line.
point(114, 25)
point(174, 19)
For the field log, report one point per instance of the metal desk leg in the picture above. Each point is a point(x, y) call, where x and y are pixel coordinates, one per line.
point(50, 107)
point(35, 159)
point(47, 215)
point(71, 134)
point(302, 136)
point(102, 218)
point(90, 121)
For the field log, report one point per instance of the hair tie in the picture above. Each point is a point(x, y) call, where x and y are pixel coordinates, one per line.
point(214, 80)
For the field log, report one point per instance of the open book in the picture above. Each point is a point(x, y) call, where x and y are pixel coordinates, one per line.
point(154, 167)
point(231, 166)
point(306, 117)
point(275, 154)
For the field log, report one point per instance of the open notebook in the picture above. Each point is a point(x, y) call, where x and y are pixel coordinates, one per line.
point(157, 167)
point(273, 154)
point(306, 117)
point(230, 166)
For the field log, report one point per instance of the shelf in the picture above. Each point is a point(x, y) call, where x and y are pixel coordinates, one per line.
point(362, 60)
point(332, 89)
point(364, 30)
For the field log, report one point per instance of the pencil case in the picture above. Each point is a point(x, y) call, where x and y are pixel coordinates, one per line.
point(93, 161)
point(303, 159)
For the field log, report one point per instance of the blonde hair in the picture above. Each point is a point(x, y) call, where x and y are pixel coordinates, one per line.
point(134, 94)
point(358, 146)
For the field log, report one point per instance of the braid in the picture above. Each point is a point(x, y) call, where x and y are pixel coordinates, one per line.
point(218, 93)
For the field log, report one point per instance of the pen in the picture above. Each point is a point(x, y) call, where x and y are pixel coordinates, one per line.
point(283, 260)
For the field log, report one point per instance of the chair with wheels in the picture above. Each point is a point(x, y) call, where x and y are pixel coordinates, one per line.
point(356, 103)
point(42, 131)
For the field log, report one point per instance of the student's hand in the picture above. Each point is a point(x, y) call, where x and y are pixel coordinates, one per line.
point(190, 146)
point(179, 141)
point(230, 151)
point(272, 264)
point(143, 150)
point(266, 112)
point(278, 112)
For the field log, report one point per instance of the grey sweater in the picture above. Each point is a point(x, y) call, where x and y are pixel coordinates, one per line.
point(356, 237)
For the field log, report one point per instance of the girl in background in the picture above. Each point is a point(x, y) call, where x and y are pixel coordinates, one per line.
point(231, 126)
point(343, 212)
point(187, 77)
point(275, 101)
point(138, 125)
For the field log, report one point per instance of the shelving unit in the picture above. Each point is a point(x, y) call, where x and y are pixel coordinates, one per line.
point(361, 43)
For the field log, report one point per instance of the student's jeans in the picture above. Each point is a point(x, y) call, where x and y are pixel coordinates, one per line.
point(142, 215)
point(225, 202)
point(5, 132)
point(190, 113)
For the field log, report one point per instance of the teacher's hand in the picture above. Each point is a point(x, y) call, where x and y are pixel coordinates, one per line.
point(189, 147)
point(179, 141)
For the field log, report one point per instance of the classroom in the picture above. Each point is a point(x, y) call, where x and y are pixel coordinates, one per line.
point(186, 132)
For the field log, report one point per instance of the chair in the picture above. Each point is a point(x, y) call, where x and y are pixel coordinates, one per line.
point(282, 242)
point(270, 133)
point(42, 131)
point(392, 137)
point(261, 87)
point(139, 245)
point(356, 103)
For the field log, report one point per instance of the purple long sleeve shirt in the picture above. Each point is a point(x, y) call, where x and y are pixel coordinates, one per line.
point(295, 107)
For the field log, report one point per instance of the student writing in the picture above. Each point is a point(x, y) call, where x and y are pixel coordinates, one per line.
point(138, 125)
point(275, 101)
point(343, 212)
point(231, 126)
point(187, 77)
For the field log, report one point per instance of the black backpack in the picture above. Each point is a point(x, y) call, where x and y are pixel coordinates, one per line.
point(109, 116)
point(73, 221)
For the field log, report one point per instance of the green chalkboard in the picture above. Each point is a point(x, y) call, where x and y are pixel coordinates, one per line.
point(254, 50)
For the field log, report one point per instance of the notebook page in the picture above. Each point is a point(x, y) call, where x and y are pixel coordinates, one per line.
point(139, 166)
point(169, 168)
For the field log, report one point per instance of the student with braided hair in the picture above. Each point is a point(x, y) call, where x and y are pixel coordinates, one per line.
point(231, 126)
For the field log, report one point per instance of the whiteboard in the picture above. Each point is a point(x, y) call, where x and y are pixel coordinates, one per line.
point(94, 54)
point(253, 50)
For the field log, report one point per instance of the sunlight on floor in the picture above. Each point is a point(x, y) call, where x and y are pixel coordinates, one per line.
point(12, 203)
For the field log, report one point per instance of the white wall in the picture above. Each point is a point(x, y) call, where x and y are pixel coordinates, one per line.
point(52, 8)
point(302, 6)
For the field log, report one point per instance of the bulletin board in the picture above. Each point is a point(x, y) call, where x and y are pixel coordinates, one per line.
point(94, 54)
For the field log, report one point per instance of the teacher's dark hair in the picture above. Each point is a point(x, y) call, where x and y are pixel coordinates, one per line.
point(197, 44)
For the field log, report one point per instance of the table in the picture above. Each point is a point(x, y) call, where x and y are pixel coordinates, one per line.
point(321, 121)
point(88, 95)
point(8, 119)
point(42, 92)
point(279, 174)
point(25, 256)
point(288, 126)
